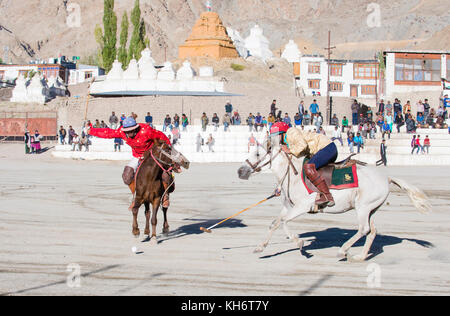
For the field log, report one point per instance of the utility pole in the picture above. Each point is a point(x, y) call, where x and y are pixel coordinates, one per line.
point(329, 48)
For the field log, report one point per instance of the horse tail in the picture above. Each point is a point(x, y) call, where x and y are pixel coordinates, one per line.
point(417, 196)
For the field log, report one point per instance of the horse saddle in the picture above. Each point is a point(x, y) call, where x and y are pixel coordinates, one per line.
point(338, 176)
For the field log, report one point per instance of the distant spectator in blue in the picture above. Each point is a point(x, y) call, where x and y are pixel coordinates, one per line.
point(446, 104)
point(167, 123)
point(258, 121)
point(314, 107)
point(298, 119)
point(149, 119)
point(229, 108)
point(359, 142)
point(118, 142)
point(287, 120)
point(122, 118)
point(386, 129)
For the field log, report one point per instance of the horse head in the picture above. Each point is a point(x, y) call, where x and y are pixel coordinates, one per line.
point(168, 157)
point(260, 158)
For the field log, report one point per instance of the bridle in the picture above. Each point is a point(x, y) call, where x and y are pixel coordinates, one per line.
point(159, 161)
point(256, 166)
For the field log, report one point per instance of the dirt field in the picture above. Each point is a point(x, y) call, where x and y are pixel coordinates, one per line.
point(54, 213)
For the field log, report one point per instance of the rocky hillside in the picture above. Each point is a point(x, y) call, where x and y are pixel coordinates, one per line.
point(39, 28)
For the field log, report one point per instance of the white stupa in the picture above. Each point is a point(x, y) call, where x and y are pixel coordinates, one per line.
point(19, 93)
point(167, 72)
point(185, 72)
point(132, 72)
point(291, 52)
point(258, 45)
point(116, 72)
point(36, 91)
point(146, 65)
point(238, 42)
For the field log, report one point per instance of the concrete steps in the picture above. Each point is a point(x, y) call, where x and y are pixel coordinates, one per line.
point(232, 146)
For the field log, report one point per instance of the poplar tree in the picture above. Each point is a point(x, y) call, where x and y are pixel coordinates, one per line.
point(109, 52)
point(123, 54)
point(137, 43)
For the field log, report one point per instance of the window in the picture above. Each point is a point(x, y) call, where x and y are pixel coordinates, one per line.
point(365, 71)
point(336, 70)
point(314, 84)
point(368, 89)
point(314, 68)
point(87, 75)
point(417, 68)
point(336, 86)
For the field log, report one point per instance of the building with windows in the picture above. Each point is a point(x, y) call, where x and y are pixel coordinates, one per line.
point(416, 71)
point(12, 72)
point(348, 78)
point(84, 73)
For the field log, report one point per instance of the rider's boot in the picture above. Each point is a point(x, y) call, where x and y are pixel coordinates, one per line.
point(325, 198)
point(167, 181)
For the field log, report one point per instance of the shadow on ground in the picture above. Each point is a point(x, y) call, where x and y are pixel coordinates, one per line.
point(194, 229)
point(335, 237)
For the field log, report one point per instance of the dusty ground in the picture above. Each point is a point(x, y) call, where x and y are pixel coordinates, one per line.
point(54, 213)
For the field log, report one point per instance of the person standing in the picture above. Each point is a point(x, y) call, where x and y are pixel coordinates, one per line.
point(184, 122)
point(211, 141)
point(62, 135)
point(226, 122)
point(397, 106)
point(420, 108)
point(413, 144)
point(301, 108)
point(118, 142)
point(27, 139)
point(359, 142)
point(205, 121)
point(426, 109)
point(314, 107)
point(167, 123)
point(381, 107)
point(355, 110)
point(273, 108)
point(113, 120)
point(250, 122)
point(199, 142)
point(176, 121)
point(427, 144)
point(383, 159)
point(229, 108)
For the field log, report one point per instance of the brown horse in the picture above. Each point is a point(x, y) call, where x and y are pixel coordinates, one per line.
point(153, 181)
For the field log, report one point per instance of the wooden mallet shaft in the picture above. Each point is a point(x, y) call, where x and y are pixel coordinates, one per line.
point(209, 229)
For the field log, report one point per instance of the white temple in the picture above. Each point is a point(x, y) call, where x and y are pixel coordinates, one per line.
point(291, 52)
point(258, 45)
point(143, 78)
point(37, 90)
point(238, 42)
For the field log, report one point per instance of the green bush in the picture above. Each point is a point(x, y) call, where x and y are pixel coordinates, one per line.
point(237, 67)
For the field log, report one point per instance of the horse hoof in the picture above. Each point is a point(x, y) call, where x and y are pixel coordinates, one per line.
point(166, 231)
point(136, 233)
point(341, 255)
point(258, 250)
point(357, 258)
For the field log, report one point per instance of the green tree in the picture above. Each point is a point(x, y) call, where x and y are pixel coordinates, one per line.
point(123, 54)
point(1, 61)
point(109, 51)
point(137, 43)
point(98, 32)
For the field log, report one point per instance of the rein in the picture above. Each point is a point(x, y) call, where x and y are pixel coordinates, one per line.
point(159, 162)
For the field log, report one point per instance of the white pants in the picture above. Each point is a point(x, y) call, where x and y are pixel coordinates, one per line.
point(134, 163)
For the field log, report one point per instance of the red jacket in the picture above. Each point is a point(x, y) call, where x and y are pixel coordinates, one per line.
point(140, 144)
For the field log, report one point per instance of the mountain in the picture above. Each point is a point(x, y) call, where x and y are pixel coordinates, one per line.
point(39, 28)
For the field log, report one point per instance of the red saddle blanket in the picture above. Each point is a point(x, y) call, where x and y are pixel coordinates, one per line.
point(336, 178)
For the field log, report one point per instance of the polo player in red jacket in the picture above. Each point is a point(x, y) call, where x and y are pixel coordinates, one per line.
point(140, 137)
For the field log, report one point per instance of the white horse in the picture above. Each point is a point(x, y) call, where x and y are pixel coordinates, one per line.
point(371, 194)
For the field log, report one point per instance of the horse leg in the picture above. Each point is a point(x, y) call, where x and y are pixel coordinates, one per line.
point(294, 213)
point(369, 241)
point(155, 206)
point(147, 219)
point(363, 230)
point(135, 211)
point(272, 229)
point(166, 223)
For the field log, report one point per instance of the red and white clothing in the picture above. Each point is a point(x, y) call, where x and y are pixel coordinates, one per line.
point(140, 144)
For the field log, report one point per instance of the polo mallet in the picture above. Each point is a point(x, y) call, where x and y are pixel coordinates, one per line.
point(209, 229)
